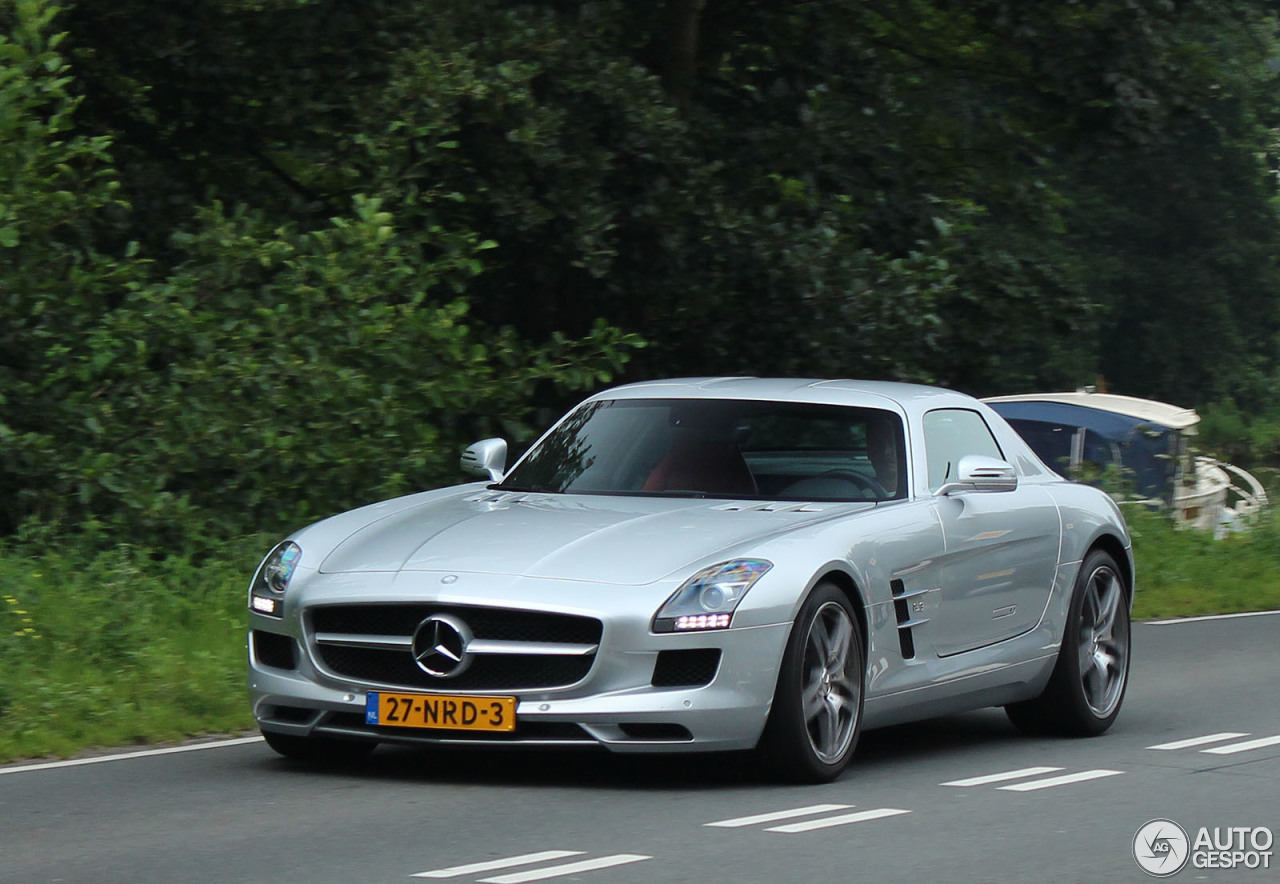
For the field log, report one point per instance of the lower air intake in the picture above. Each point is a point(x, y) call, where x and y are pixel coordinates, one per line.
point(686, 669)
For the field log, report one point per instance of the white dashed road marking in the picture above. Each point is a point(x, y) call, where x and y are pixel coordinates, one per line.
point(825, 822)
point(1001, 777)
point(1230, 749)
point(529, 859)
point(495, 864)
point(1033, 785)
point(1198, 741)
point(1063, 780)
point(1261, 743)
point(841, 820)
point(586, 865)
point(776, 815)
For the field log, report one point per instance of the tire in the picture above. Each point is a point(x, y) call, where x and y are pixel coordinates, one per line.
point(322, 750)
point(816, 715)
point(1084, 693)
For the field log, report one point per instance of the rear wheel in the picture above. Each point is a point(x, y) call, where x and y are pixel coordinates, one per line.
point(325, 750)
point(816, 715)
point(1086, 689)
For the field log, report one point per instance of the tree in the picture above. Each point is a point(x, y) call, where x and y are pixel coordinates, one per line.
point(261, 374)
point(236, 207)
point(810, 187)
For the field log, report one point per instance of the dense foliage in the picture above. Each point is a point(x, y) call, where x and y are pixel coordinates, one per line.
point(264, 259)
point(253, 373)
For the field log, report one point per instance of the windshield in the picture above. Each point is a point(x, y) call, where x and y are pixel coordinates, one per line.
point(720, 448)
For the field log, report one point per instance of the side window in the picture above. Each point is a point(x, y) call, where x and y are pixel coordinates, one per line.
point(950, 434)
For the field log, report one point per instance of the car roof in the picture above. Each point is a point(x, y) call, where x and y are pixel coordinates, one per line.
point(911, 401)
point(871, 394)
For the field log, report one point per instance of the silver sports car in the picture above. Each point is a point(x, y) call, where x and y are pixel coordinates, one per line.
point(705, 564)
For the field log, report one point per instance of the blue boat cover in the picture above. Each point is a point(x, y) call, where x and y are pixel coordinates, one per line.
point(1147, 452)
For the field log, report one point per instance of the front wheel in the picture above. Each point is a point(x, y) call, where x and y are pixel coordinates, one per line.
point(816, 715)
point(1088, 683)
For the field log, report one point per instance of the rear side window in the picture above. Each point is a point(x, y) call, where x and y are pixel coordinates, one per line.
point(950, 434)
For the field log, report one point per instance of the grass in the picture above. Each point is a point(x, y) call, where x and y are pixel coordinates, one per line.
point(1182, 573)
point(123, 647)
point(115, 648)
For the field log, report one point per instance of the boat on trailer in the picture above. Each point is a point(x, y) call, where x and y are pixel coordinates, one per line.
point(1085, 435)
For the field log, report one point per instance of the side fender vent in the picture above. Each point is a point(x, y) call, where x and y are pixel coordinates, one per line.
point(902, 605)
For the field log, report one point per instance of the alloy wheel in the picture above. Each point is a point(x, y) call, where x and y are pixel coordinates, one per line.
point(1104, 641)
point(832, 683)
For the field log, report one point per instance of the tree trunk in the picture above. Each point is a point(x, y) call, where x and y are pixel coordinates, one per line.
point(681, 66)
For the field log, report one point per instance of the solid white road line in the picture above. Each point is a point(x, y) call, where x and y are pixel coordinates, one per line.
point(777, 815)
point(586, 865)
point(495, 864)
point(1061, 781)
point(145, 753)
point(1243, 747)
point(1205, 617)
point(1001, 777)
point(1199, 741)
point(841, 820)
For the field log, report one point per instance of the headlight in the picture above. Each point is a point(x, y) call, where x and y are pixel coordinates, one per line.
point(707, 599)
point(266, 593)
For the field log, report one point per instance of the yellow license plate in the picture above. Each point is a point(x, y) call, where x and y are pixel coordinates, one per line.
point(449, 712)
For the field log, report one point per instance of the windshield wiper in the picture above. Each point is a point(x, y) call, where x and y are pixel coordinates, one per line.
point(532, 489)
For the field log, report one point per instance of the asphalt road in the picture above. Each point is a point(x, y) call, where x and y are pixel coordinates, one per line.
point(960, 799)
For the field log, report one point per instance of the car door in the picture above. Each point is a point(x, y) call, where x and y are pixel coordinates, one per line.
point(1001, 548)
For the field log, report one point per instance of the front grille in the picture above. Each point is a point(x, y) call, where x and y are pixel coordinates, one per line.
point(274, 650)
point(685, 669)
point(493, 623)
point(488, 671)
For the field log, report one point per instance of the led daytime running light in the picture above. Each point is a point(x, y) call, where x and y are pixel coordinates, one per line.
point(702, 621)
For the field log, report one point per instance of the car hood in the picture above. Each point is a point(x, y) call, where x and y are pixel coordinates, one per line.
point(622, 540)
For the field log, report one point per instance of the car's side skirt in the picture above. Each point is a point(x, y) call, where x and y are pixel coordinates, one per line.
point(994, 686)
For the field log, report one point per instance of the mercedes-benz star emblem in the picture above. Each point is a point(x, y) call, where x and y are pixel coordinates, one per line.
point(440, 646)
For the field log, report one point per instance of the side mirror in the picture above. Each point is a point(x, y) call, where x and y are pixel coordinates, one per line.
point(487, 457)
point(976, 472)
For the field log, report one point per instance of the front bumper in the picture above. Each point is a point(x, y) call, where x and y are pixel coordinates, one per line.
point(616, 705)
